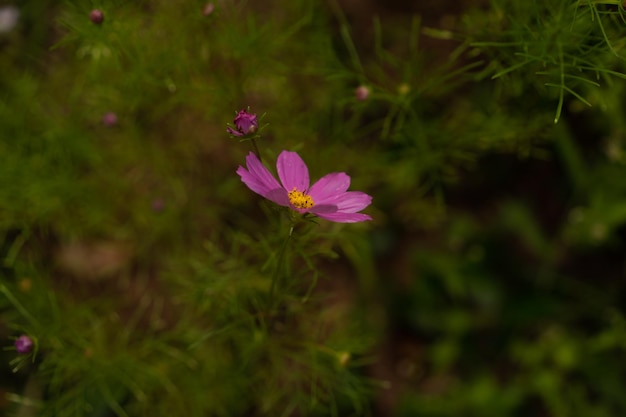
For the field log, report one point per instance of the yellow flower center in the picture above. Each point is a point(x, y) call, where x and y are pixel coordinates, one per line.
point(300, 200)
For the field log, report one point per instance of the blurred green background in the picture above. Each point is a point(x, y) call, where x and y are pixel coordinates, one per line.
point(490, 282)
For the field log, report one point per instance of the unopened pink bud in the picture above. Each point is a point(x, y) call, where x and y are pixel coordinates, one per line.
point(362, 93)
point(109, 119)
point(96, 16)
point(23, 344)
point(208, 9)
point(158, 204)
point(245, 123)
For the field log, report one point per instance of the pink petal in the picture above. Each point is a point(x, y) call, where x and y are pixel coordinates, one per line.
point(329, 186)
point(278, 196)
point(261, 181)
point(353, 201)
point(253, 182)
point(345, 217)
point(348, 202)
point(292, 171)
point(233, 132)
point(323, 208)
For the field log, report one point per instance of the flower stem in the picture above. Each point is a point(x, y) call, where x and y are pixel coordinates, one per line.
point(279, 261)
point(256, 151)
point(18, 306)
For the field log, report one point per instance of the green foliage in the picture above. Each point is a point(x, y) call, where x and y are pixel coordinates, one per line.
point(559, 47)
point(153, 282)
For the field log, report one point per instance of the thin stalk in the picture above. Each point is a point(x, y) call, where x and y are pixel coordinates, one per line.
point(559, 107)
point(18, 305)
point(279, 261)
point(256, 149)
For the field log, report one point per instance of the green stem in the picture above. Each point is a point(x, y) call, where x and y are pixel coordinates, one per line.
point(18, 306)
point(256, 149)
point(279, 261)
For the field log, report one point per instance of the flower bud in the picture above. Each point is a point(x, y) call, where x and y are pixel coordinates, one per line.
point(362, 93)
point(343, 358)
point(404, 89)
point(96, 16)
point(23, 344)
point(208, 9)
point(245, 124)
point(25, 284)
point(109, 119)
point(158, 205)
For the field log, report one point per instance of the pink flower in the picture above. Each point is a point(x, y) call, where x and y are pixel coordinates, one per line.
point(245, 123)
point(328, 198)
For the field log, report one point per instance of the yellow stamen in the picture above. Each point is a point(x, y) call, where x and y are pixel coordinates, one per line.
point(300, 200)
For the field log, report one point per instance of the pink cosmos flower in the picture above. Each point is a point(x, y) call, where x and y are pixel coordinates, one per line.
point(245, 123)
point(328, 198)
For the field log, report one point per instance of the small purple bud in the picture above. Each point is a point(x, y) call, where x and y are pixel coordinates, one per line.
point(96, 16)
point(362, 93)
point(23, 344)
point(208, 9)
point(245, 123)
point(158, 205)
point(109, 119)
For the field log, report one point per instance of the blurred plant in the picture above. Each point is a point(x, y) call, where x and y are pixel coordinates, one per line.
point(9, 16)
point(563, 46)
point(150, 283)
